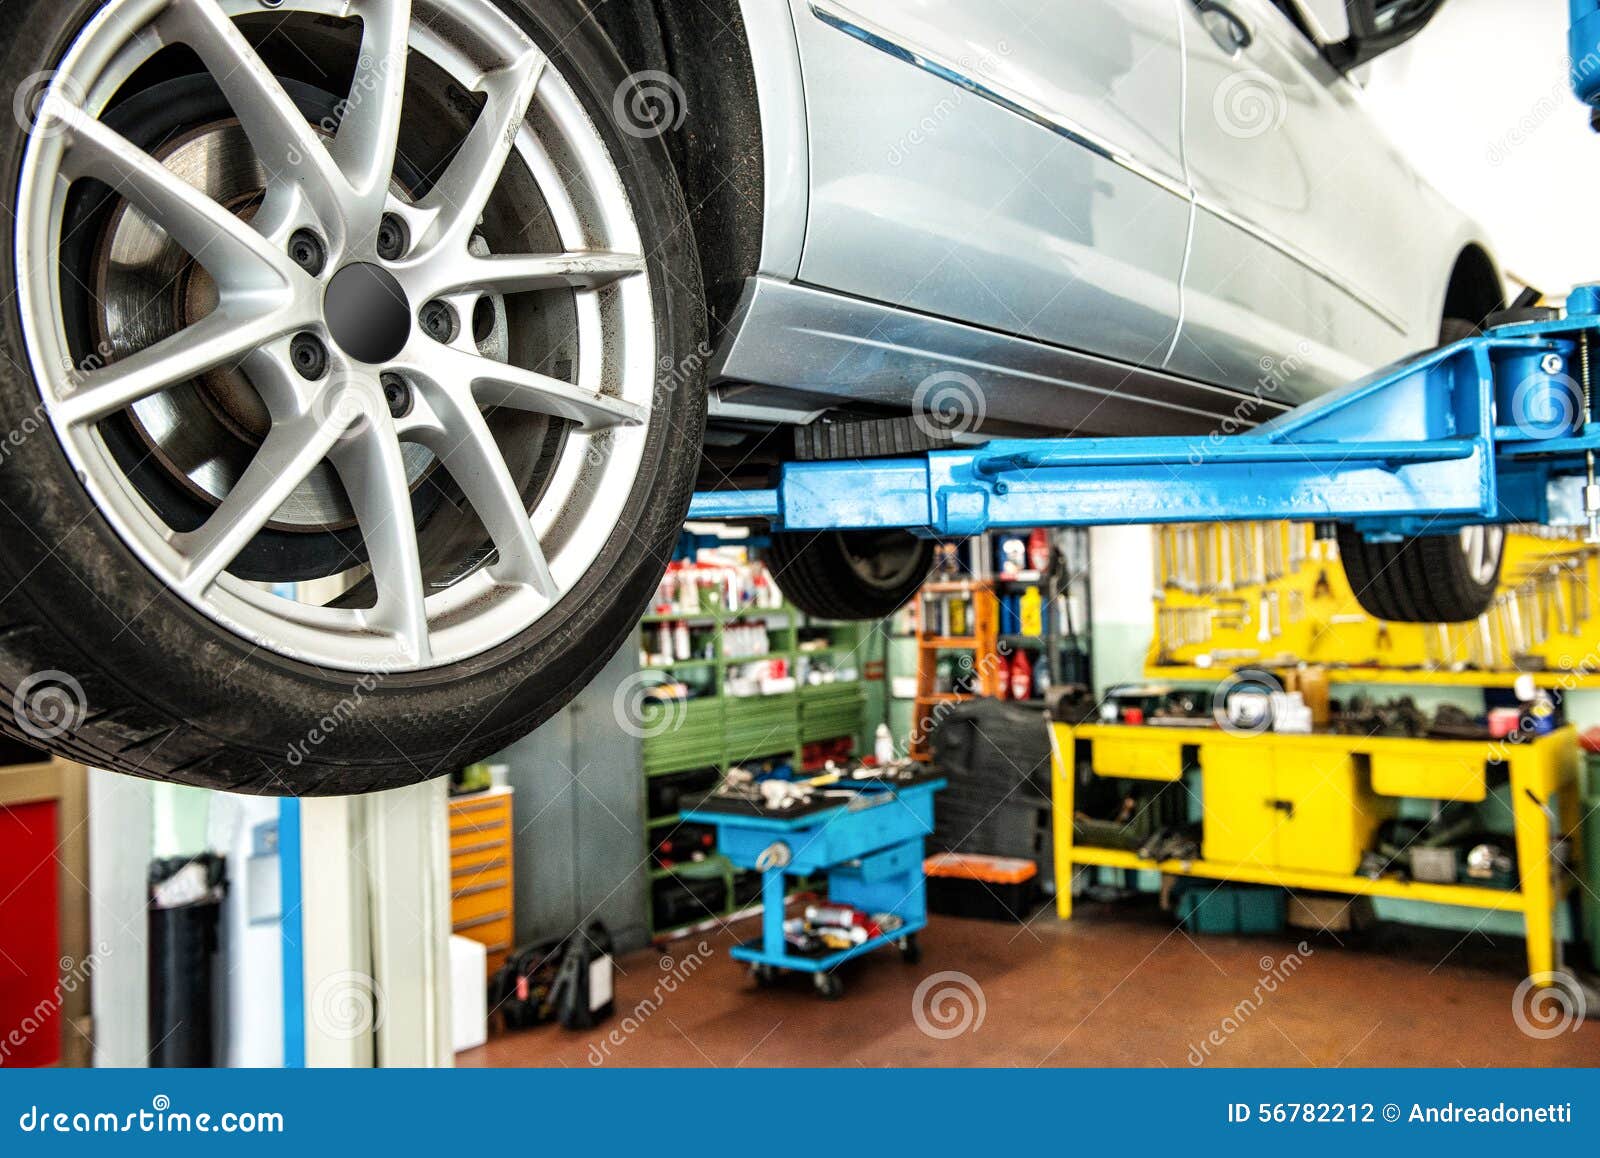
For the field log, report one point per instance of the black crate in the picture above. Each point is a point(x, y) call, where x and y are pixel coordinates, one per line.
point(985, 900)
point(683, 844)
point(678, 900)
point(667, 793)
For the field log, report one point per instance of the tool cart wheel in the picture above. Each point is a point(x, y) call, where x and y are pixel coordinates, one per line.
point(764, 975)
point(910, 949)
point(829, 986)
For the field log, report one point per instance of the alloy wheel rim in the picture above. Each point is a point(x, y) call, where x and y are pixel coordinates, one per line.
point(1482, 547)
point(338, 187)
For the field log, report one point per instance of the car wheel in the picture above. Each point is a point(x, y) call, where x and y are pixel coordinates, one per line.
point(850, 574)
point(334, 456)
point(1426, 578)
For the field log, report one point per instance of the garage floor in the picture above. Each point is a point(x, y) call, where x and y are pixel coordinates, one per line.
point(1116, 986)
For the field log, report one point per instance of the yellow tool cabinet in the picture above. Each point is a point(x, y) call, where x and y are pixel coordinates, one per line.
point(1276, 806)
point(1299, 811)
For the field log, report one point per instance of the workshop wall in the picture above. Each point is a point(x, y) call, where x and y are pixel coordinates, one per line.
point(1122, 570)
point(578, 817)
point(1479, 101)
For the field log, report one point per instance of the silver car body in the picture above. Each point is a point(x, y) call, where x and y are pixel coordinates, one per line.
point(1090, 208)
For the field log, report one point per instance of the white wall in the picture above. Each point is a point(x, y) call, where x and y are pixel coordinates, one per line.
point(1480, 102)
point(252, 933)
point(1121, 614)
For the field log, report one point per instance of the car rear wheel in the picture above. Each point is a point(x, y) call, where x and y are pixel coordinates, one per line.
point(850, 574)
point(336, 456)
point(1426, 578)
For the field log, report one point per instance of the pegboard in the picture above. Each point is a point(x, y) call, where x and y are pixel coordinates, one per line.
point(1230, 595)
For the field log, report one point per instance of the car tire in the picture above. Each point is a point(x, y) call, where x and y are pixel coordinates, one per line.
point(103, 662)
point(1426, 578)
point(850, 574)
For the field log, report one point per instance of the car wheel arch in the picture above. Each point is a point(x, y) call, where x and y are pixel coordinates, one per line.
point(715, 137)
point(1475, 289)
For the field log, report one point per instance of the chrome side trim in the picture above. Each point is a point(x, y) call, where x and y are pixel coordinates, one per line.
point(828, 347)
point(1183, 159)
point(874, 35)
point(838, 16)
point(1300, 257)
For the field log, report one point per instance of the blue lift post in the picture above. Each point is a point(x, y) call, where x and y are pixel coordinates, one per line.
point(1498, 428)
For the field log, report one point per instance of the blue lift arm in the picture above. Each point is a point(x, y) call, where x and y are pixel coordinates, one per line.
point(1498, 428)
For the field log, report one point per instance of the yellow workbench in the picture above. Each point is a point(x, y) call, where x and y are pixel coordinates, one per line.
point(1299, 811)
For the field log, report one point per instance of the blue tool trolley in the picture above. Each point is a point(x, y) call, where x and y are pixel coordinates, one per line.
point(870, 846)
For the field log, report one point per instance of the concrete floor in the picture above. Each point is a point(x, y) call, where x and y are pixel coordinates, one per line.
point(1117, 986)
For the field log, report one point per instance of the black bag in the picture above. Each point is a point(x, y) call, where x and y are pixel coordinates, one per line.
point(520, 989)
point(995, 747)
point(585, 989)
point(568, 980)
point(996, 757)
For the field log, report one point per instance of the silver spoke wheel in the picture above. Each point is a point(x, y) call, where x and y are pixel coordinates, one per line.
point(308, 330)
point(1482, 548)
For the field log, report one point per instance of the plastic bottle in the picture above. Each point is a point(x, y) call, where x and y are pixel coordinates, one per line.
point(883, 745)
point(1021, 677)
point(1031, 613)
point(1041, 677)
point(1039, 551)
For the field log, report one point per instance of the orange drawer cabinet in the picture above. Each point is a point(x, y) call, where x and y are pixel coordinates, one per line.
point(480, 871)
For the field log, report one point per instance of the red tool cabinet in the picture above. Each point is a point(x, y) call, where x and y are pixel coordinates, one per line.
point(30, 936)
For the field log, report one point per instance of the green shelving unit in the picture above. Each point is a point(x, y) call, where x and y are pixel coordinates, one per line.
point(696, 741)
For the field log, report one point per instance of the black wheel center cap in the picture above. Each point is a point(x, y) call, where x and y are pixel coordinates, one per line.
point(367, 313)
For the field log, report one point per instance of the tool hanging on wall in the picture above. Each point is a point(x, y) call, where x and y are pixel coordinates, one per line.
point(1273, 593)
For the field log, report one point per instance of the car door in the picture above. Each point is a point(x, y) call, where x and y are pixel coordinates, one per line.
point(1016, 166)
point(1306, 265)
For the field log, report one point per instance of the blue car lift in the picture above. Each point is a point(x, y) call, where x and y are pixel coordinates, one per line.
point(1498, 428)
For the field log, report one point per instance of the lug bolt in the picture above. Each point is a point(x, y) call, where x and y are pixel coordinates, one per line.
point(393, 238)
point(307, 251)
point(397, 393)
point(439, 321)
point(309, 355)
